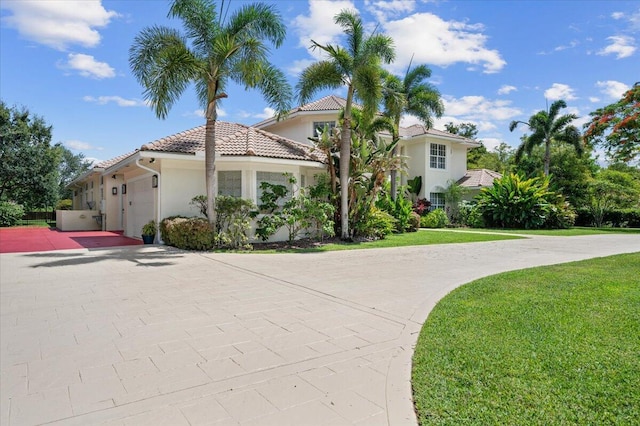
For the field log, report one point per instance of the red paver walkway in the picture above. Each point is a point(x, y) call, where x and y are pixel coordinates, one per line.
point(17, 240)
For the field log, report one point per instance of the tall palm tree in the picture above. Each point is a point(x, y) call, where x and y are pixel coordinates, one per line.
point(411, 95)
point(547, 126)
point(213, 51)
point(357, 66)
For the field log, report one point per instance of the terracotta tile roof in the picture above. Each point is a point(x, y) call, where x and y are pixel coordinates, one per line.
point(419, 129)
point(328, 103)
point(237, 140)
point(478, 178)
point(108, 163)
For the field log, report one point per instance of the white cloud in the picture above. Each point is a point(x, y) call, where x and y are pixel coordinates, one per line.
point(382, 10)
point(479, 108)
point(87, 66)
point(560, 91)
point(118, 100)
point(319, 24)
point(491, 143)
point(617, 15)
point(441, 43)
point(299, 65)
point(622, 46)
point(594, 99)
point(266, 113)
point(613, 89)
point(59, 24)
point(79, 145)
point(506, 89)
point(571, 45)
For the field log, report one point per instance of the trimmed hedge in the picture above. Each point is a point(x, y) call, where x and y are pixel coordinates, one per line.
point(188, 233)
point(618, 218)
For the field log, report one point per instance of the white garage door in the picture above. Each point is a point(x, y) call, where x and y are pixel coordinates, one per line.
point(140, 209)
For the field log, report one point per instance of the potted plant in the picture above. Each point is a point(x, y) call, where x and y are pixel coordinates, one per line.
point(149, 232)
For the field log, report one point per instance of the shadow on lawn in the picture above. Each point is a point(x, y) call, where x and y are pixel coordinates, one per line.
point(161, 257)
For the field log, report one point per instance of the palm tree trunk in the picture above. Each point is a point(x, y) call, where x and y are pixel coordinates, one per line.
point(394, 153)
point(210, 162)
point(547, 156)
point(345, 160)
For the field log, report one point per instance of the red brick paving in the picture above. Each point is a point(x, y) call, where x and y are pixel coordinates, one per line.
point(24, 239)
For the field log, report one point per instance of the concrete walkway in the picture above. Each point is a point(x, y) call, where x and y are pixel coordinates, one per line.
point(150, 335)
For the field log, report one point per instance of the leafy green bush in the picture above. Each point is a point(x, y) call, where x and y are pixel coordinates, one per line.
point(513, 202)
point(435, 219)
point(560, 216)
point(65, 204)
point(164, 226)
point(469, 215)
point(10, 213)
point(400, 209)
point(189, 233)
point(376, 224)
point(623, 218)
point(297, 214)
point(233, 220)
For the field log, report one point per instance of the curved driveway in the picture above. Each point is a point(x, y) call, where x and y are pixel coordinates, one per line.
point(150, 335)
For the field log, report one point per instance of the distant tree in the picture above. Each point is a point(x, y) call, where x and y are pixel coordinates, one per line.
point(570, 173)
point(467, 130)
point(71, 166)
point(547, 126)
point(409, 95)
point(616, 127)
point(220, 50)
point(28, 163)
point(356, 66)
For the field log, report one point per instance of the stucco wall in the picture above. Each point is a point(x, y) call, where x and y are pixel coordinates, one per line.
point(77, 220)
point(300, 128)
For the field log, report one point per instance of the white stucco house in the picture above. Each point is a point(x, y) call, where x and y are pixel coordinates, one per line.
point(160, 178)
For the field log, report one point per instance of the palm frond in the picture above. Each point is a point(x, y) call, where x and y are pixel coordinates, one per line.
point(316, 77)
point(259, 21)
point(379, 46)
point(162, 63)
point(275, 88)
point(199, 18)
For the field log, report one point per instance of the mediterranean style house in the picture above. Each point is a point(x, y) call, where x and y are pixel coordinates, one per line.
point(160, 178)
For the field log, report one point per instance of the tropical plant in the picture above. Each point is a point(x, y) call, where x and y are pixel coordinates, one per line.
point(400, 208)
point(414, 186)
point(358, 67)
point(422, 206)
point(375, 224)
point(453, 195)
point(410, 95)
point(616, 127)
point(547, 126)
point(220, 50)
point(516, 202)
point(233, 222)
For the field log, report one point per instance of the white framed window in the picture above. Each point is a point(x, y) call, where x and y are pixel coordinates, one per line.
point(230, 183)
point(274, 178)
point(438, 156)
point(437, 200)
point(318, 126)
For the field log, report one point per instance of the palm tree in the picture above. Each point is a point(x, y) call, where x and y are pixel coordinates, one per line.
point(220, 50)
point(356, 66)
point(547, 127)
point(411, 95)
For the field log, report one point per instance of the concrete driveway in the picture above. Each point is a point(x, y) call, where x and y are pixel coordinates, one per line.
point(151, 335)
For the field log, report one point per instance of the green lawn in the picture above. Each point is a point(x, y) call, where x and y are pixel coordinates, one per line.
point(550, 345)
point(576, 231)
point(400, 240)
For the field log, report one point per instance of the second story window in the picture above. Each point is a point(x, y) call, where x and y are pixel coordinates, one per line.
point(319, 126)
point(438, 156)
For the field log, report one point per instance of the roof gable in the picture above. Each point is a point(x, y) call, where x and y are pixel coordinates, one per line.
point(475, 178)
point(233, 139)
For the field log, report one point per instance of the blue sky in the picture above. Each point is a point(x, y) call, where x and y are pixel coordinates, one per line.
point(492, 61)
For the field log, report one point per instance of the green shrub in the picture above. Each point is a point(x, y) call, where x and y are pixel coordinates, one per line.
point(376, 224)
point(233, 219)
point(469, 215)
point(513, 202)
point(560, 216)
point(623, 218)
point(435, 219)
point(10, 213)
point(65, 204)
point(165, 224)
point(414, 222)
point(400, 208)
point(189, 233)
